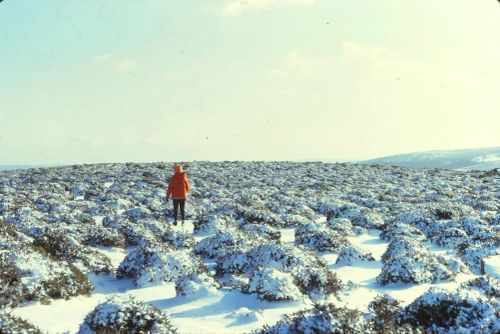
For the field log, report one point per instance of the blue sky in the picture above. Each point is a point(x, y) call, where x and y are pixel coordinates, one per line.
point(105, 81)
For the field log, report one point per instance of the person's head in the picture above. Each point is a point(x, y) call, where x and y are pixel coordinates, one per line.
point(178, 168)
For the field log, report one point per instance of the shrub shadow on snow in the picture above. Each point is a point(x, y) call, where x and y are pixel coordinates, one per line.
point(108, 284)
point(361, 264)
point(225, 303)
point(374, 242)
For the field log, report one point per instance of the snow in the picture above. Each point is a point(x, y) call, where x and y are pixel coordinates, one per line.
point(191, 314)
point(486, 158)
point(229, 311)
point(492, 265)
point(288, 235)
point(223, 311)
point(247, 223)
point(115, 254)
point(364, 275)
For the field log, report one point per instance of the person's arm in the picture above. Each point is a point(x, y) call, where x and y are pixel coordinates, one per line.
point(186, 184)
point(169, 189)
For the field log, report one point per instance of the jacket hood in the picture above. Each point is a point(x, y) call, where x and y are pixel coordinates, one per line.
point(178, 168)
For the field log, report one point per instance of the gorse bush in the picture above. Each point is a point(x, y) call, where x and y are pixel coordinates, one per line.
point(10, 324)
point(149, 265)
point(407, 260)
point(310, 274)
point(323, 318)
point(60, 246)
point(117, 315)
point(320, 238)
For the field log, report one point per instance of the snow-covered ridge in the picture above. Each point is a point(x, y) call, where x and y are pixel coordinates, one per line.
point(469, 159)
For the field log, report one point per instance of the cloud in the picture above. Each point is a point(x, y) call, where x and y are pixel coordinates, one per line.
point(237, 7)
point(85, 140)
point(102, 58)
point(353, 51)
point(297, 63)
point(74, 113)
point(125, 65)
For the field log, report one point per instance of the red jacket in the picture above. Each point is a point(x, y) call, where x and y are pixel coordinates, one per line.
point(178, 186)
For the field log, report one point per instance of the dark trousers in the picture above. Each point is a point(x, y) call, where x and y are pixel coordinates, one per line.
point(179, 203)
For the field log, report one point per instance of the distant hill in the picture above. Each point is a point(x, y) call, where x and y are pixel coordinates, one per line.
point(12, 167)
point(480, 159)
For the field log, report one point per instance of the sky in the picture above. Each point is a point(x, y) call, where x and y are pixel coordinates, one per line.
point(125, 80)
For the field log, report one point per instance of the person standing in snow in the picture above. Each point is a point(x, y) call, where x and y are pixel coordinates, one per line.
point(178, 188)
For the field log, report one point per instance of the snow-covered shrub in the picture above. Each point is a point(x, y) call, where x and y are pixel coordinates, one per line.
point(446, 213)
point(235, 263)
point(473, 256)
point(138, 213)
point(407, 260)
point(10, 324)
point(311, 275)
point(178, 239)
point(397, 230)
point(224, 243)
point(463, 311)
point(413, 217)
point(322, 318)
point(495, 221)
point(61, 246)
point(294, 219)
point(480, 230)
point(260, 217)
point(320, 238)
point(274, 285)
point(487, 285)
point(157, 227)
point(450, 237)
point(351, 254)
point(136, 234)
point(383, 313)
point(263, 230)
point(341, 225)
point(335, 209)
point(117, 315)
point(115, 222)
point(10, 282)
point(102, 236)
point(4, 205)
point(29, 275)
point(233, 281)
point(195, 283)
point(455, 263)
point(209, 224)
point(369, 219)
point(151, 264)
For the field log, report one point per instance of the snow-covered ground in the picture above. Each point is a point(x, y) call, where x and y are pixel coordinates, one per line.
point(263, 241)
point(209, 311)
point(230, 311)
